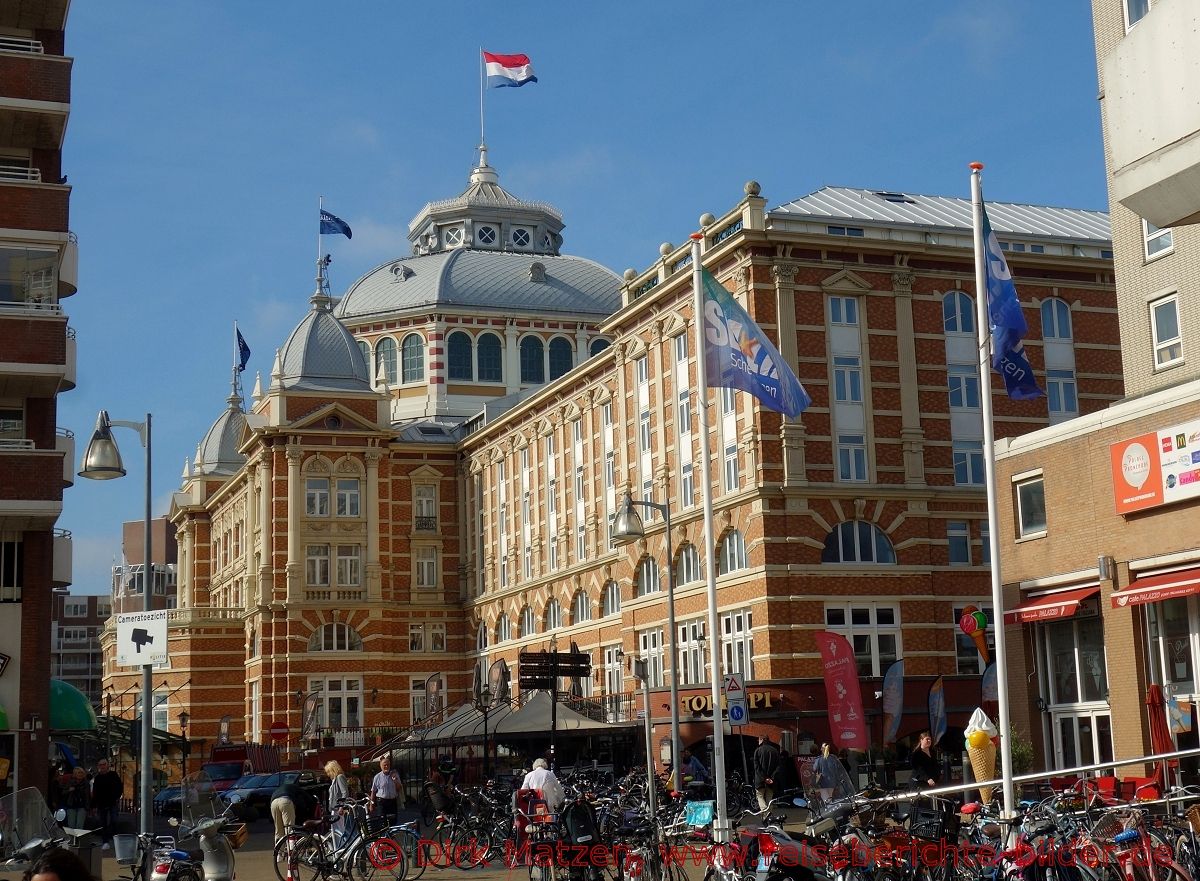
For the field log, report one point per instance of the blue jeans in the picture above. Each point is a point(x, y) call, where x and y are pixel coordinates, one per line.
point(108, 818)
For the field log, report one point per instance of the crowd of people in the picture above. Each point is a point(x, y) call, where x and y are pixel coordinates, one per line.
point(92, 801)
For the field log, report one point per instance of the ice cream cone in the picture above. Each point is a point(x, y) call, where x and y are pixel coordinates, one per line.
point(983, 766)
point(980, 637)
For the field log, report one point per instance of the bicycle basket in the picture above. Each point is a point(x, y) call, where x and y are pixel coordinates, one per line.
point(236, 833)
point(938, 821)
point(1193, 817)
point(1112, 823)
point(370, 825)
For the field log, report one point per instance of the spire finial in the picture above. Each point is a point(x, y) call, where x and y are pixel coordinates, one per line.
point(187, 468)
point(258, 392)
point(320, 298)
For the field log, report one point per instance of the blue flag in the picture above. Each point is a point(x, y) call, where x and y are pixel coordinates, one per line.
point(1007, 322)
point(332, 225)
point(937, 710)
point(243, 351)
point(737, 354)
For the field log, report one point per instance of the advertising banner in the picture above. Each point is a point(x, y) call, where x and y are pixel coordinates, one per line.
point(937, 710)
point(847, 724)
point(1156, 468)
point(893, 701)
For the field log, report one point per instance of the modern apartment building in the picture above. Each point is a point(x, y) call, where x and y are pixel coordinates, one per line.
point(38, 270)
point(1100, 544)
point(75, 656)
point(429, 475)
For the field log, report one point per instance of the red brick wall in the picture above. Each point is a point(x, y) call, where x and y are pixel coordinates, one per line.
point(38, 552)
point(36, 77)
point(32, 340)
point(35, 206)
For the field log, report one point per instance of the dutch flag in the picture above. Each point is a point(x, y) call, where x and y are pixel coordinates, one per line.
point(508, 70)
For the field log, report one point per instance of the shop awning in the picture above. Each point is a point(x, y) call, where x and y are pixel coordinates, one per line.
point(1156, 588)
point(1050, 607)
point(70, 710)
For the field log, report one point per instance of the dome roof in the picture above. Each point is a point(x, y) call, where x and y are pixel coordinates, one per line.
point(218, 452)
point(321, 355)
point(500, 281)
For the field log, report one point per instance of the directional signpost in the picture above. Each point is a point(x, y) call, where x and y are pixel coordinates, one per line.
point(142, 639)
point(541, 670)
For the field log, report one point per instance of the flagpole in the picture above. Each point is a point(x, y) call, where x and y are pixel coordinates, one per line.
point(989, 469)
point(320, 209)
point(482, 138)
point(721, 829)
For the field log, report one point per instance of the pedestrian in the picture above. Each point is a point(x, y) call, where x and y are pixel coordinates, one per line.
point(766, 768)
point(288, 804)
point(107, 789)
point(925, 770)
point(385, 790)
point(58, 864)
point(690, 769)
point(77, 798)
point(827, 768)
point(542, 778)
point(339, 788)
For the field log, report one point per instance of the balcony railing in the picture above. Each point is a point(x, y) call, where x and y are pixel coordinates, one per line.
point(425, 524)
point(64, 442)
point(63, 558)
point(334, 594)
point(19, 171)
point(21, 44)
point(605, 707)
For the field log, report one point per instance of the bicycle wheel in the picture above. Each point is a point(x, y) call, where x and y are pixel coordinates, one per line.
point(298, 857)
point(468, 847)
point(415, 856)
point(427, 811)
point(379, 859)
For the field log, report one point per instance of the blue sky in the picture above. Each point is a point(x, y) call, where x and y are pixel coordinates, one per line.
point(202, 134)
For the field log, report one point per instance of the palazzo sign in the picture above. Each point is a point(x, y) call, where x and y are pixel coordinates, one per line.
point(1156, 468)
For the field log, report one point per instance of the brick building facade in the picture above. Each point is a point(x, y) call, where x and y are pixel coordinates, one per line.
point(440, 488)
point(38, 269)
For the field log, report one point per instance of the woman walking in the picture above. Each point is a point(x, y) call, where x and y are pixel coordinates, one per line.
point(339, 788)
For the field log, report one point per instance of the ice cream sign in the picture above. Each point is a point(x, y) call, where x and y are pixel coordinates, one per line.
point(1157, 468)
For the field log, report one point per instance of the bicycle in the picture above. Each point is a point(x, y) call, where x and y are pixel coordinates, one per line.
point(366, 854)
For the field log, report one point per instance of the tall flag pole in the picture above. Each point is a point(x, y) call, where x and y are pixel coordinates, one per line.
point(721, 827)
point(984, 293)
point(482, 80)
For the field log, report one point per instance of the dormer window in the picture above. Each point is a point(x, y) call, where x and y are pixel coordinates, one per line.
point(520, 237)
point(453, 236)
point(548, 242)
point(486, 235)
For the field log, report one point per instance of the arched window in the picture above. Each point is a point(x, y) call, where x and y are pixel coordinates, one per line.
point(610, 599)
point(528, 627)
point(581, 609)
point(958, 312)
point(857, 541)
point(647, 581)
point(385, 361)
point(412, 358)
point(489, 358)
point(733, 553)
point(335, 637)
point(561, 356)
point(481, 637)
point(1056, 320)
point(503, 629)
point(365, 348)
point(598, 346)
point(688, 569)
point(458, 356)
point(532, 367)
point(553, 615)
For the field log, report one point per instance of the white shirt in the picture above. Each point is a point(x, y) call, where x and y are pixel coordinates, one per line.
point(544, 779)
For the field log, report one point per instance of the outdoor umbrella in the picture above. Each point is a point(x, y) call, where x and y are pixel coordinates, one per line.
point(1160, 734)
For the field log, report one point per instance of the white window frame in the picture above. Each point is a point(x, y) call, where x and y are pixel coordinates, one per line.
point(349, 565)
point(348, 692)
point(958, 536)
point(1156, 242)
point(968, 453)
point(641, 369)
point(732, 553)
point(687, 485)
point(852, 458)
point(336, 636)
point(692, 663)
point(1061, 385)
point(1033, 529)
point(847, 379)
point(688, 570)
point(737, 642)
point(1130, 21)
point(731, 475)
point(648, 574)
point(528, 622)
point(962, 381)
point(316, 496)
point(610, 602)
point(554, 615)
point(316, 569)
point(503, 628)
point(1167, 352)
point(681, 348)
point(348, 501)
point(73, 608)
point(843, 311)
point(581, 608)
point(425, 567)
point(650, 650)
point(872, 629)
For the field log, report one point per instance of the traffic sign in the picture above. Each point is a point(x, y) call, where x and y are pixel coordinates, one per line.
point(735, 686)
point(739, 712)
point(142, 639)
point(280, 731)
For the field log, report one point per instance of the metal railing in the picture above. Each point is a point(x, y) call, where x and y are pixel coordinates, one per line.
point(22, 44)
point(425, 524)
point(20, 171)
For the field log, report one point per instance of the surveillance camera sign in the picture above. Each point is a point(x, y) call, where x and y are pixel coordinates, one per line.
point(142, 639)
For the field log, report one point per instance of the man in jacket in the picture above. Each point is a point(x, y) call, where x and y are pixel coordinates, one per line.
point(107, 789)
point(289, 802)
point(766, 768)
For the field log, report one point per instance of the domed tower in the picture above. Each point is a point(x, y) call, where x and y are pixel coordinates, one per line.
point(218, 454)
point(486, 306)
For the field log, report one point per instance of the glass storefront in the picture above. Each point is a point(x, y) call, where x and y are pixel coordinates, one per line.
point(1075, 688)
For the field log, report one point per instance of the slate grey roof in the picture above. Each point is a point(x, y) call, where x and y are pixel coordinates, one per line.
point(321, 355)
point(218, 452)
point(478, 279)
point(883, 208)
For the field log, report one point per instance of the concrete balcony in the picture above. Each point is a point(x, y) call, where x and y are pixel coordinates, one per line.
point(64, 442)
point(31, 77)
point(29, 204)
point(68, 269)
point(38, 358)
point(1152, 115)
point(64, 549)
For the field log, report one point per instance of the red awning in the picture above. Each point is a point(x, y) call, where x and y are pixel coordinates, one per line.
point(1051, 606)
point(1155, 588)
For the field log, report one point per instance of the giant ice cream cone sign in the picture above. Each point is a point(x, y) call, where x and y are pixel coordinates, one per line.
point(982, 740)
point(974, 624)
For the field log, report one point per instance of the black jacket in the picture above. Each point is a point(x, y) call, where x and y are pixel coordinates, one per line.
point(767, 762)
point(305, 802)
point(924, 768)
point(107, 789)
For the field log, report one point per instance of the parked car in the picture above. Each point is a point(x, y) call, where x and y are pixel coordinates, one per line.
point(167, 802)
point(256, 796)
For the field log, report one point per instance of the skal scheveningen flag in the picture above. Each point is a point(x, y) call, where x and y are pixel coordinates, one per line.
point(1007, 321)
point(737, 354)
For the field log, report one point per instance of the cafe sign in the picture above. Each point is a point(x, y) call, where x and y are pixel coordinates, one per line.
point(702, 703)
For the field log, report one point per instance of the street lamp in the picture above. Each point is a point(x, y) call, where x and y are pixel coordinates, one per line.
point(640, 668)
point(628, 527)
point(484, 706)
point(102, 461)
point(183, 722)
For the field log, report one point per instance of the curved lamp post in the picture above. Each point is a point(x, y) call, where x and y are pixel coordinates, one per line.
point(627, 526)
point(102, 461)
